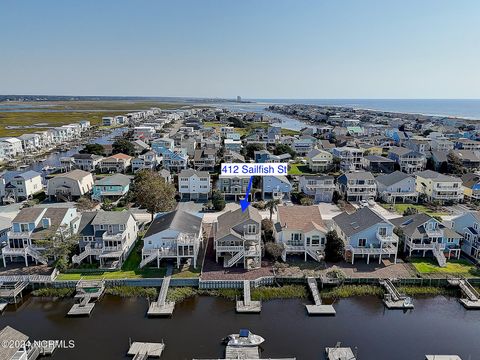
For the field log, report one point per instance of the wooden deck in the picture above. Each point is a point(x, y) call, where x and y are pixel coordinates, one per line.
point(81, 309)
point(142, 350)
point(162, 307)
point(393, 299)
point(318, 308)
point(12, 291)
point(86, 292)
point(471, 301)
point(442, 357)
point(247, 305)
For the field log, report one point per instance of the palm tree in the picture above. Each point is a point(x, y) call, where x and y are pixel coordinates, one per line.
point(271, 205)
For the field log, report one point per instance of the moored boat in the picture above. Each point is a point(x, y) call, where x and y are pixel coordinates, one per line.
point(244, 338)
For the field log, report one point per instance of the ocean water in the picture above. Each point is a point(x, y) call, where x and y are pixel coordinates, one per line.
point(465, 108)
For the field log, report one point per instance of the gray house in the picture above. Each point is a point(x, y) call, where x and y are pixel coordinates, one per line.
point(397, 187)
point(276, 187)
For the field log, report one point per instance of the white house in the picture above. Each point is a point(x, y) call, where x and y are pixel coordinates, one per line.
point(11, 147)
point(175, 235)
point(439, 187)
point(21, 186)
point(397, 187)
point(194, 184)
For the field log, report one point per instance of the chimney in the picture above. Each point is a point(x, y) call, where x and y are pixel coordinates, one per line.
point(46, 223)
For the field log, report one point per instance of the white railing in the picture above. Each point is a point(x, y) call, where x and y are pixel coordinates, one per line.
point(372, 251)
point(236, 258)
point(229, 248)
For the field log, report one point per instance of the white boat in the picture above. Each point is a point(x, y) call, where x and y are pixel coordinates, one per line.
point(244, 338)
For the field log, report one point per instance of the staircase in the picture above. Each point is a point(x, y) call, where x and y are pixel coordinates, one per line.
point(439, 256)
point(469, 290)
point(36, 255)
point(149, 258)
point(313, 253)
point(77, 259)
point(391, 289)
point(233, 260)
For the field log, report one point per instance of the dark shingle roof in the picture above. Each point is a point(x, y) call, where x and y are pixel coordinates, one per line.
point(360, 220)
point(393, 178)
point(178, 220)
point(230, 219)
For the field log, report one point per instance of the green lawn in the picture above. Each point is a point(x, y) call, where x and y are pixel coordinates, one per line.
point(288, 132)
point(213, 124)
point(400, 208)
point(454, 267)
point(189, 273)
point(298, 169)
point(130, 269)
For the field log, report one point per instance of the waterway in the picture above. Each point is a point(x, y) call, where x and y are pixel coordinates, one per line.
point(438, 325)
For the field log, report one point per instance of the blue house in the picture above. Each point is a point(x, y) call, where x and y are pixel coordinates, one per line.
point(276, 187)
point(160, 146)
point(262, 156)
point(111, 187)
point(366, 233)
point(468, 225)
point(424, 234)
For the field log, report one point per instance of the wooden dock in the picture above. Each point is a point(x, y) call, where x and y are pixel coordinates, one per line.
point(393, 299)
point(318, 308)
point(162, 307)
point(12, 292)
point(3, 306)
point(143, 350)
point(86, 293)
point(471, 301)
point(247, 305)
point(339, 353)
point(442, 357)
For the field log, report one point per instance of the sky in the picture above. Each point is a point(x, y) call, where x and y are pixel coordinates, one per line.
point(300, 49)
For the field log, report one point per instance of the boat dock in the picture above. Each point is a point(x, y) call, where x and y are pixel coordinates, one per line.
point(393, 299)
point(442, 357)
point(247, 305)
point(472, 297)
point(12, 292)
point(162, 307)
point(318, 308)
point(144, 351)
point(340, 353)
point(86, 292)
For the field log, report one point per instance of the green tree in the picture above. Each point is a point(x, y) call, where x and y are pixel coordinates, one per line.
point(95, 149)
point(455, 165)
point(334, 248)
point(251, 148)
point(284, 149)
point(274, 249)
point(85, 204)
point(59, 246)
point(267, 227)
point(152, 192)
point(271, 205)
point(123, 146)
point(306, 201)
point(236, 122)
point(410, 211)
point(218, 201)
point(107, 204)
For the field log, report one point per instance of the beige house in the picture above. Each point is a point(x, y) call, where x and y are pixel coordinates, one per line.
point(70, 186)
point(319, 160)
point(439, 187)
point(301, 230)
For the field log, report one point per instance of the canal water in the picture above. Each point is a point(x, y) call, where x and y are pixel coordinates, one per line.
point(437, 325)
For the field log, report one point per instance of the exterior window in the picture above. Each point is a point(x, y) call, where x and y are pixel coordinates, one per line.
point(122, 227)
point(315, 240)
point(362, 242)
point(382, 231)
point(251, 229)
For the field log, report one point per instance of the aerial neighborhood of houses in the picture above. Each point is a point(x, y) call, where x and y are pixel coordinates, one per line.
point(383, 187)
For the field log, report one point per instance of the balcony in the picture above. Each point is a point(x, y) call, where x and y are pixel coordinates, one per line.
point(221, 248)
point(113, 237)
point(19, 234)
point(388, 238)
point(251, 236)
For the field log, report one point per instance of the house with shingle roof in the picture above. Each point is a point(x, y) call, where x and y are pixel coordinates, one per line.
point(111, 187)
point(471, 186)
point(397, 187)
point(70, 186)
point(357, 186)
point(439, 187)
point(301, 230)
point(468, 226)
point(174, 235)
point(117, 163)
point(107, 237)
point(276, 187)
point(18, 346)
point(15, 186)
point(410, 161)
point(237, 237)
point(33, 225)
point(422, 234)
point(194, 184)
point(319, 160)
point(366, 233)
